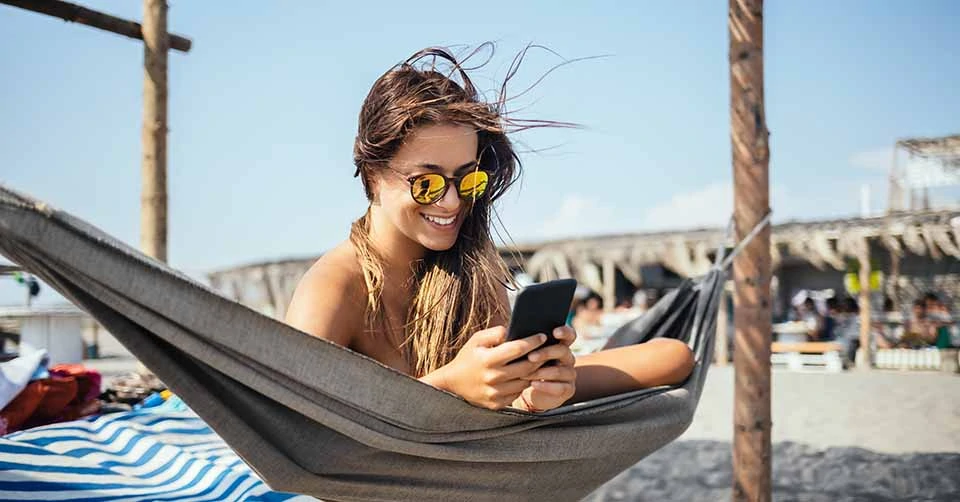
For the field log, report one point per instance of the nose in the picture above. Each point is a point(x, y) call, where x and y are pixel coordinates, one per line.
point(450, 200)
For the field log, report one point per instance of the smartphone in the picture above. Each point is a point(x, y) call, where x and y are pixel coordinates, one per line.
point(540, 308)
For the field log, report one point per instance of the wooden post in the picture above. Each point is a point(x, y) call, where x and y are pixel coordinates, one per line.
point(893, 281)
point(895, 194)
point(609, 284)
point(153, 198)
point(751, 269)
point(863, 356)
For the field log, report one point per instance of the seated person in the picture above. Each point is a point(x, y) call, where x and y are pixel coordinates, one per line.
point(588, 320)
point(419, 285)
point(940, 319)
point(831, 321)
point(919, 331)
point(810, 316)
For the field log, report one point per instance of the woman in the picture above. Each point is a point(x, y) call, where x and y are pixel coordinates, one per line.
point(419, 285)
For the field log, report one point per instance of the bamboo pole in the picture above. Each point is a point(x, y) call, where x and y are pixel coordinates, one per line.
point(893, 282)
point(751, 269)
point(894, 192)
point(863, 356)
point(609, 284)
point(153, 198)
point(81, 15)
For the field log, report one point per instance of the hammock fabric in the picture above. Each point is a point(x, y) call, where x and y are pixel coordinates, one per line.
point(315, 418)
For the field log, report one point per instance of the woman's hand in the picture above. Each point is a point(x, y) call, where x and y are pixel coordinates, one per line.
point(482, 372)
point(551, 386)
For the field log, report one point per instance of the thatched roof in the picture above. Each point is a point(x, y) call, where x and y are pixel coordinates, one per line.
point(825, 243)
point(946, 148)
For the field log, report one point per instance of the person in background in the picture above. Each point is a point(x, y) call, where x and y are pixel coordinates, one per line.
point(918, 329)
point(809, 315)
point(587, 320)
point(575, 307)
point(940, 320)
point(641, 302)
point(848, 331)
point(887, 328)
point(624, 305)
point(831, 321)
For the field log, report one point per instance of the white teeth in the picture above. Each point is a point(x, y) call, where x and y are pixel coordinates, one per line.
point(440, 221)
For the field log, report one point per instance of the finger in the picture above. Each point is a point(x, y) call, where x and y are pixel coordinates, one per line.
point(519, 370)
point(507, 352)
point(508, 390)
point(490, 337)
point(554, 374)
point(565, 334)
point(558, 352)
point(557, 389)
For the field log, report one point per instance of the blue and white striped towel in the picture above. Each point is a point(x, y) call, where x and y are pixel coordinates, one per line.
point(136, 456)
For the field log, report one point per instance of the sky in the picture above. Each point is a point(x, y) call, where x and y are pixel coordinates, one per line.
point(263, 113)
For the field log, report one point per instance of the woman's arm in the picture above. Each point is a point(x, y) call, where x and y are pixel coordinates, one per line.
point(658, 362)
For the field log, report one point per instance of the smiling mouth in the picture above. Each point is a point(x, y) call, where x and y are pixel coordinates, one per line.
point(441, 222)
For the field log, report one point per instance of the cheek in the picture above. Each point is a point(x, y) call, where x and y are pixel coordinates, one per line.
point(399, 205)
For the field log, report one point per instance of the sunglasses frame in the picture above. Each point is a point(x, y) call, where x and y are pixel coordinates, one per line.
point(447, 183)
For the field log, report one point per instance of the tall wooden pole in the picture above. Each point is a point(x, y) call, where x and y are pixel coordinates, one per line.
point(153, 198)
point(864, 357)
point(751, 269)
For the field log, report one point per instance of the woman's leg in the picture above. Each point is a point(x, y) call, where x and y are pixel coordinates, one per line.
point(661, 361)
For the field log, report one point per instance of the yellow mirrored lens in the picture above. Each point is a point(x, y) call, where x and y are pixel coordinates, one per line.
point(428, 188)
point(473, 185)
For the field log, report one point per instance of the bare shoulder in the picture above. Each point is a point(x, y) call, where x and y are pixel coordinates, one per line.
point(330, 298)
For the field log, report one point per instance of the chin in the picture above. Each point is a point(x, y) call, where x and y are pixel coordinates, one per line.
point(438, 244)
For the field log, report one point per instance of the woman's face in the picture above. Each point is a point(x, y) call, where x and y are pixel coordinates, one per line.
point(447, 149)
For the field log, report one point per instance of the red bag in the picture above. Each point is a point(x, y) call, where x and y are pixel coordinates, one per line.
point(41, 402)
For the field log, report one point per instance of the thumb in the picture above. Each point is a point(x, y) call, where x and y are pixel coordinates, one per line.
point(490, 337)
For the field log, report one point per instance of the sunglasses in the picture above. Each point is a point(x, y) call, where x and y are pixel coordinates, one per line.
point(428, 188)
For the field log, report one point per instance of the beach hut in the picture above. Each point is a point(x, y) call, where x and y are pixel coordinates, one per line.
point(58, 329)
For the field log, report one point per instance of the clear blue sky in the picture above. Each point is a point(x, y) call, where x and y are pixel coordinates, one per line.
point(263, 112)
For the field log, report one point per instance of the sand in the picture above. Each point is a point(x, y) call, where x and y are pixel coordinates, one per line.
point(872, 436)
point(700, 470)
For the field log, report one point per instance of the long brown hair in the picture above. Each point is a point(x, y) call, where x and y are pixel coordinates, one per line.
point(456, 292)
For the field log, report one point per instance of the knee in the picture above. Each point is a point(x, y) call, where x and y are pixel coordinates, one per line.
point(678, 358)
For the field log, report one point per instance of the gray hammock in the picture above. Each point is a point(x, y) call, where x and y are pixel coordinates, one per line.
point(315, 418)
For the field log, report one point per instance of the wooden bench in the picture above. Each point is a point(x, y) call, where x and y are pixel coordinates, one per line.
point(798, 356)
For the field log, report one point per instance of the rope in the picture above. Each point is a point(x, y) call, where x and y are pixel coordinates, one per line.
point(746, 240)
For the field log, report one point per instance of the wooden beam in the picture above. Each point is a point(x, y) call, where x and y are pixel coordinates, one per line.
point(77, 14)
point(751, 268)
point(153, 197)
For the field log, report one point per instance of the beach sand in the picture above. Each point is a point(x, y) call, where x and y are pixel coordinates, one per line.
point(872, 436)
